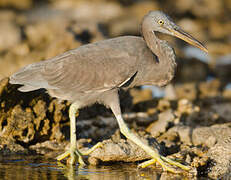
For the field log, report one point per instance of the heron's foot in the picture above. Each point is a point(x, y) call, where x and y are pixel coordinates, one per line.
point(75, 154)
point(166, 164)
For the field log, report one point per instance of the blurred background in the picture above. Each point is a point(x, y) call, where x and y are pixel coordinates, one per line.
point(34, 30)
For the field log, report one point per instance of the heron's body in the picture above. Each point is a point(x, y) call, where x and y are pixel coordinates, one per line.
point(92, 71)
point(95, 72)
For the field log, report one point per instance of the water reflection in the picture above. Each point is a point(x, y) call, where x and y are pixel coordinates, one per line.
point(114, 172)
point(35, 167)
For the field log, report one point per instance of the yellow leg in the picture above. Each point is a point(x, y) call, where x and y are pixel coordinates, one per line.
point(166, 163)
point(73, 152)
point(163, 161)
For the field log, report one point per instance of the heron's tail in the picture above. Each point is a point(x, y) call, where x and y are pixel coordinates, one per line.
point(30, 77)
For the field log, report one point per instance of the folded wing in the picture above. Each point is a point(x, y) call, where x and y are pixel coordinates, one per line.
point(94, 67)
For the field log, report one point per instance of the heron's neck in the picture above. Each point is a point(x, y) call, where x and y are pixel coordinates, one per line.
point(152, 42)
point(159, 47)
point(166, 56)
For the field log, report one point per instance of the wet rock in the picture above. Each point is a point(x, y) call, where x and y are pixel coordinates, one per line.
point(119, 150)
point(49, 148)
point(9, 146)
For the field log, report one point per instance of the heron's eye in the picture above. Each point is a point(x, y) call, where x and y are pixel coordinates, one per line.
point(160, 22)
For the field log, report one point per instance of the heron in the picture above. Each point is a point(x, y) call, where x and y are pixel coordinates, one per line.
point(95, 72)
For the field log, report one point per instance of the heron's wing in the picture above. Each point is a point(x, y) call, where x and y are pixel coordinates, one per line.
point(88, 68)
point(89, 71)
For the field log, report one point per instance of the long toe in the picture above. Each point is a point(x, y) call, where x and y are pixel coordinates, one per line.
point(175, 163)
point(73, 157)
point(166, 163)
point(63, 156)
point(79, 156)
point(163, 164)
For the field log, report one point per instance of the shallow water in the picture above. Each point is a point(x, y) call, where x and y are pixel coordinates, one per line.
point(36, 167)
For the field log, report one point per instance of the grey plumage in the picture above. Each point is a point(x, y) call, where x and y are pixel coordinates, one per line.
point(95, 72)
point(94, 68)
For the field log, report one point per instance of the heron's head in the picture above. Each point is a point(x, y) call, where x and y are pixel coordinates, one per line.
point(157, 21)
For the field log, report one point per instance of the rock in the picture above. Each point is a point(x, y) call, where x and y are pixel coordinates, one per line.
point(119, 150)
point(186, 107)
point(90, 11)
point(163, 105)
point(223, 110)
point(193, 124)
point(216, 138)
point(140, 95)
point(9, 146)
point(25, 119)
point(9, 35)
point(186, 91)
point(203, 136)
point(165, 120)
point(209, 89)
point(220, 153)
point(23, 4)
point(219, 30)
point(49, 148)
point(170, 92)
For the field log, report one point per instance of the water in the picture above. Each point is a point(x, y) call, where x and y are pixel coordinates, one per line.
point(36, 167)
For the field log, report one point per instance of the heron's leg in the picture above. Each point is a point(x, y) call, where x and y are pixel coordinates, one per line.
point(73, 152)
point(163, 161)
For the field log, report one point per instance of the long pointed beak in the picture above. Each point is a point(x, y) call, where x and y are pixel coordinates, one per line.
point(188, 38)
